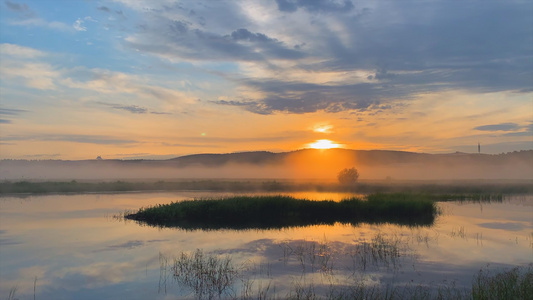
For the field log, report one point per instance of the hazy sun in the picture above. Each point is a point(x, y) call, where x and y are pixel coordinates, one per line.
point(324, 144)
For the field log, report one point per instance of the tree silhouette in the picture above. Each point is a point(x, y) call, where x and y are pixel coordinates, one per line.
point(348, 176)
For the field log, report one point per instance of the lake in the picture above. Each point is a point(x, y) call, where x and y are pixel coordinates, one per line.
point(72, 247)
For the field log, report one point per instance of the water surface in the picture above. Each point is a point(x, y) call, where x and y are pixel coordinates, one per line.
point(71, 247)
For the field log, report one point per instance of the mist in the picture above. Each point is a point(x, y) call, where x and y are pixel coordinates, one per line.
point(304, 164)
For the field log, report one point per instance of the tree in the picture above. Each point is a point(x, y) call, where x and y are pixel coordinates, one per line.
point(348, 176)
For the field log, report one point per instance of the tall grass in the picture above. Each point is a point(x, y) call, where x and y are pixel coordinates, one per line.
point(208, 276)
point(282, 211)
point(514, 284)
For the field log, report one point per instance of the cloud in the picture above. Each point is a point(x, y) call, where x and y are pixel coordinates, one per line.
point(78, 25)
point(36, 75)
point(130, 108)
point(75, 138)
point(455, 49)
point(315, 5)
point(187, 145)
point(246, 35)
point(23, 63)
point(217, 139)
point(403, 49)
point(109, 82)
point(7, 239)
point(108, 10)
point(22, 9)
point(300, 97)
point(42, 156)
point(27, 17)
point(20, 51)
point(28, 65)
point(104, 8)
point(16, 7)
point(135, 109)
point(526, 131)
point(287, 6)
point(160, 113)
point(498, 127)
point(11, 112)
point(181, 32)
point(89, 18)
point(176, 40)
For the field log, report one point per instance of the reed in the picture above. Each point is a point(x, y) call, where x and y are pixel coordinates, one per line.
point(214, 277)
point(516, 283)
point(208, 276)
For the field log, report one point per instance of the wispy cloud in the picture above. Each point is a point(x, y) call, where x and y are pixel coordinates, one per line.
point(130, 108)
point(14, 50)
point(526, 131)
point(315, 6)
point(160, 113)
point(75, 138)
point(23, 9)
point(110, 82)
point(27, 17)
point(135, 109)
point(11, 112)
point(498, 127)
point(104, 8)
point(42, 156)
point(24, 62)
point(35, 74)
point(78, 25)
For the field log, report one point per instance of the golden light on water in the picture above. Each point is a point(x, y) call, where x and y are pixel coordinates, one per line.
point(324, 144)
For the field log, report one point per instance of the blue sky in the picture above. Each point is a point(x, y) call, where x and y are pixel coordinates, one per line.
point(140, 78)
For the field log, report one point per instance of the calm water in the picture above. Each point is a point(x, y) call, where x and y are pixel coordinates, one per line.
point(70, 247)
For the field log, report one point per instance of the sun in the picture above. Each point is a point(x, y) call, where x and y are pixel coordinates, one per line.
point(324, 144)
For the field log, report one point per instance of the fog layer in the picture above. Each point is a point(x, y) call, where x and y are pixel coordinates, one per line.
point(303, 164)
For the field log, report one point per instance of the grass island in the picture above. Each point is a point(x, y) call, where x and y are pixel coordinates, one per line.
point(266, 212)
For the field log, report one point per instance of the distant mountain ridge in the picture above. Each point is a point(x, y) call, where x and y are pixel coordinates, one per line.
point(252, 157)
point(364, 157)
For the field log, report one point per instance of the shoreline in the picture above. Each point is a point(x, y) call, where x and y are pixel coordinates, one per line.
point(29, 188)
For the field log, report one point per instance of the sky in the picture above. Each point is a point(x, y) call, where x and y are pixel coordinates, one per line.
point(125, 79)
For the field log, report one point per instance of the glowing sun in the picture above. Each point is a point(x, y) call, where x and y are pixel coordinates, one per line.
point(324, 144)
